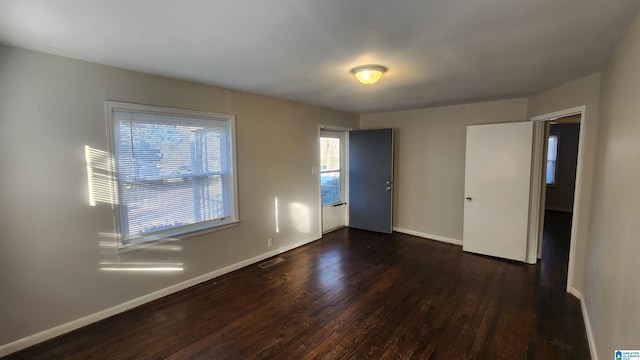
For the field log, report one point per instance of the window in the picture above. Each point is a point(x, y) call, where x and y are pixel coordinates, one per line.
point(552, 159)
point(175, 171)
point(331, 145)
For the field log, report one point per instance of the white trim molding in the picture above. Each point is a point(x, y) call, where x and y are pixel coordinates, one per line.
point(587, 323)
point(298, 244)
point(582, 110)
point(429, 236)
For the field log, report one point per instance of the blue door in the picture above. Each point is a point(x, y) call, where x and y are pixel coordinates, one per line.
point(371, 180)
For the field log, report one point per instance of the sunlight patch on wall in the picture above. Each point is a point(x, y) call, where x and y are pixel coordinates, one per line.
point(277, 217)
point(300, 217)
point(113, 260)
point(141, 266)
point(112, 245)
point(100, 176)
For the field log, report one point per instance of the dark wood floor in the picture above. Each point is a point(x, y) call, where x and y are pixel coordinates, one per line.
point(355, 295)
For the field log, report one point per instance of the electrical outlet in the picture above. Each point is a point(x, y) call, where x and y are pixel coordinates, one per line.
point(269, 242)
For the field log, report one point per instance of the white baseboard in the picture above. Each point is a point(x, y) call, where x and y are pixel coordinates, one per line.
point(560, 209)
point(30, 340)
point(573, 291)
point(298, 244)
point(587, 324)
point(429, 236)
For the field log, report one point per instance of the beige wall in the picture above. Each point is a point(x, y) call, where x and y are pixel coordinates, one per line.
point(584, 91)
point(429, 162)
point(50, 253)
point(612, 276)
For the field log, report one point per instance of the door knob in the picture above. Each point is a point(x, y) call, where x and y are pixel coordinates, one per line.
point(468, 198)
point(388, 188)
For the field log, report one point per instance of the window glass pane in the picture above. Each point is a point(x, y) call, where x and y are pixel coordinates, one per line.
point(329, 154)
point(146, 150)
point(330, 187)
point(552, 156)
point(551, 172)
point(155, 205)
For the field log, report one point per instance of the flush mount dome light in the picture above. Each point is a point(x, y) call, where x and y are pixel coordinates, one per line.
point(368, 74)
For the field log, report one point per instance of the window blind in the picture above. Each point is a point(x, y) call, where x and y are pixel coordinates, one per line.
point(174, 174)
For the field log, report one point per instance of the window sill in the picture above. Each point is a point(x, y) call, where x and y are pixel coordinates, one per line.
point(123, 249)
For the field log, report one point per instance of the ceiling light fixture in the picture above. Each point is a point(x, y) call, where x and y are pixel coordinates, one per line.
point(368, 74)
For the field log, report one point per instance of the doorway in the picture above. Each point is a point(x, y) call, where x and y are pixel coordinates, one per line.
point(560, 175)
point(544, 161)
point(356, 179)
point(562, 159)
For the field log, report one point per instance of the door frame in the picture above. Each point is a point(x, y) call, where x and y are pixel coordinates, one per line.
point(345, 170)
point(537, 213)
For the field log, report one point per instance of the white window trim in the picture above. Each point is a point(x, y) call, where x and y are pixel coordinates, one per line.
point(180, 233)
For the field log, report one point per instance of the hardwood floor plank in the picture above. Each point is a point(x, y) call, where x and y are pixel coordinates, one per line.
point(354, 295)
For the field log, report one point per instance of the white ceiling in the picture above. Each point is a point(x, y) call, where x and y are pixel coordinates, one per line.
point(437, 51)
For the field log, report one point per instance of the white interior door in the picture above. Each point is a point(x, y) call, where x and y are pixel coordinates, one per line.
point(497, 189)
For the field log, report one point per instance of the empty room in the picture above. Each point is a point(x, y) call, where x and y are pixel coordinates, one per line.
point(319, 179)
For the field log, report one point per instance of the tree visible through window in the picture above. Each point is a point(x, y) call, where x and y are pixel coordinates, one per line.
point(175, 171)
point(552, 159)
